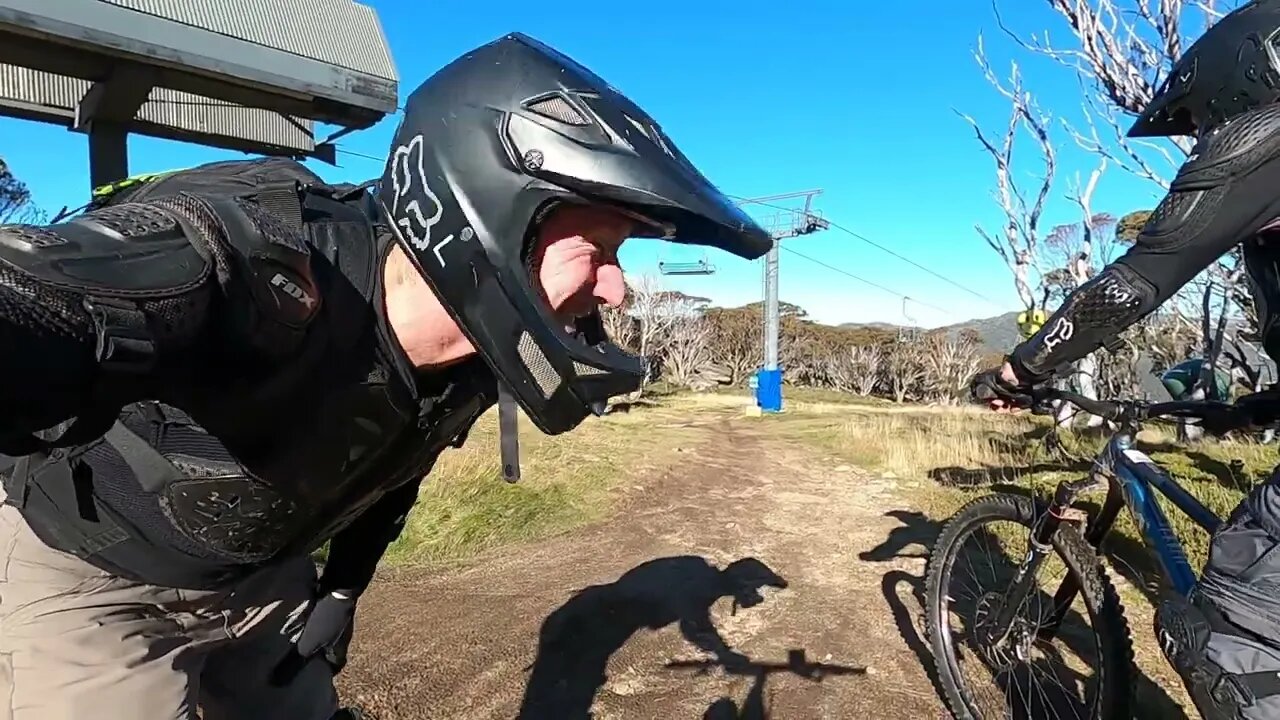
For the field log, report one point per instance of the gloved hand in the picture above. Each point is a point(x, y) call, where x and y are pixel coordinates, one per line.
point(992, 387)
point(1255, 409)
point(327, 626)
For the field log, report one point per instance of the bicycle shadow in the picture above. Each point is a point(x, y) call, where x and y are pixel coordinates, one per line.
point(754, 706)
point(578, 638)
point(918, 530)
point(1230, 475)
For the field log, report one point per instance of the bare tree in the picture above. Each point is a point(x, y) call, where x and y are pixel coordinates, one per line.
point(650, 307)
point(864, 366)
point(838, 370)
point(686, 347)
point(1019, 242)
point(947, 366)
point(737, 340)
point(1168, 338)
point(1023, 249)
point(15, 199)
point(1118, 374)
point(1121, 52)
point(1078, 243)
point(904, 367)
point(621, 324)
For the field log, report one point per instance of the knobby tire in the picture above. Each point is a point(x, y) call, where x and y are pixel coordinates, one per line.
point(1110, 627)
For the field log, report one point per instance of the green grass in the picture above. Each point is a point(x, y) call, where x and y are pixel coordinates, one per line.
point(950, 456)
point(465, 507)
point(943, 458)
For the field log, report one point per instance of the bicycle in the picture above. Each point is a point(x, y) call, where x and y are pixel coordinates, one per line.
point(1003, 638)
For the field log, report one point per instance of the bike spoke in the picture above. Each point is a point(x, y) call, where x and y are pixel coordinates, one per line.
point(1024, 675)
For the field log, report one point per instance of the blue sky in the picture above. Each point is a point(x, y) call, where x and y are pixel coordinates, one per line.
point(855, 98)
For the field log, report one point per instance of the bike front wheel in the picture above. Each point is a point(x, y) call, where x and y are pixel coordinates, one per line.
point(1037, 669)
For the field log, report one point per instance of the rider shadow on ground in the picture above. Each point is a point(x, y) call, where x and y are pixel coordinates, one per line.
point(919, 531)
point(1232, 475)
point(755, 707)
point(578, 638)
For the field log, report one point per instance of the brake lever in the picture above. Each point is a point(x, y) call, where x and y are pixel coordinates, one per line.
point(1042, 401)
point(1042, 407)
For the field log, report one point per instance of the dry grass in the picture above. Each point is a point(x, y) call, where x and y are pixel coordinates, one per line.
point(942, 459)
point(465, 507)
point(935, 445)
point(961, 454)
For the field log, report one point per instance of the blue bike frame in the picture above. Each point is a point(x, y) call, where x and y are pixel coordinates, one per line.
point(1136, 475)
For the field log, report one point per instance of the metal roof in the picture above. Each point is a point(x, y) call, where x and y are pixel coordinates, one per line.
point(245, 74)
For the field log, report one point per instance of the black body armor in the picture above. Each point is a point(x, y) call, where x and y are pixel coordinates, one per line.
point(265, 430)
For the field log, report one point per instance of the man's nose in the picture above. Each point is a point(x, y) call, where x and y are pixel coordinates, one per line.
point(611, 287)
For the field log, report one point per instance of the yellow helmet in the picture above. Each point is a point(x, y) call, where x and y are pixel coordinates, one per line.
point(1030, 322)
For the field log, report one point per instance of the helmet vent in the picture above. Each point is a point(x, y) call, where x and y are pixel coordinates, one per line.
point(585, 370)
point(643, 130)
point(651, 132)
point(538, 365)
point(559, 109)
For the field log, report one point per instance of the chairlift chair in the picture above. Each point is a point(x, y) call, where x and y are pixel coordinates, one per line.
point(697, 267)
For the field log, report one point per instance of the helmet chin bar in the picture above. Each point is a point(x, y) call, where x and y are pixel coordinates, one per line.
point(588, 329)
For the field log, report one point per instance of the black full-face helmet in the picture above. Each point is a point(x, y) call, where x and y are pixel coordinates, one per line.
point(1231, 69)
point(488, 146)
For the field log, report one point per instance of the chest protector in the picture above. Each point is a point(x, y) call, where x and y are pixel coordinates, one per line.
point(197, 495)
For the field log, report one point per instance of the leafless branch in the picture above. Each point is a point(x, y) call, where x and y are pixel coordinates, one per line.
point(1022, 217)
point(1122, 51)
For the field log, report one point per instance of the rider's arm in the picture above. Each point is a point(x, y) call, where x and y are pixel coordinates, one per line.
point(1227, 190)
point(354, 552)
point(134, 300)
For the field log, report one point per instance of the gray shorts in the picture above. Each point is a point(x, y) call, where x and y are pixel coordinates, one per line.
point(76, 642)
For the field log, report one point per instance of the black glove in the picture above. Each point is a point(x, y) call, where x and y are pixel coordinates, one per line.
point(1255, 409)
point(989, 385)
point(326, 629)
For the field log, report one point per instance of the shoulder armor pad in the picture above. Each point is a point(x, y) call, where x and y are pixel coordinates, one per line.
point(1232, 150)
point(123, 250)
point(273, 261)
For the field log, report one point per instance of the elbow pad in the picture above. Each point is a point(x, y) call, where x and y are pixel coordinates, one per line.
point(1096, 312)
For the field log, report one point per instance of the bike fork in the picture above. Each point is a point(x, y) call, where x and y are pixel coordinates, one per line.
point(1096, 533)
point(1041, 544)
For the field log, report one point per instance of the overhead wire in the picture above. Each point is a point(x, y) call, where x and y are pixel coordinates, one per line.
point(343, 151)
point(797, 253)
point(846, 273)
point(901, 257)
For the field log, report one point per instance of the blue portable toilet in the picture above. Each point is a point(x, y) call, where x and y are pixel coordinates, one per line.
point(769, 390)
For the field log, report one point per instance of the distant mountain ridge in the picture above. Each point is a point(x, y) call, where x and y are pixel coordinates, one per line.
point(996, 334)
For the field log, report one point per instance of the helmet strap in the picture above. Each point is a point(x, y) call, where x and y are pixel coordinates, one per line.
point(509, 433)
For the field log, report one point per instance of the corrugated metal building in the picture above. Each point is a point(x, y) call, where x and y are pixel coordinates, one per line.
point(323, 59)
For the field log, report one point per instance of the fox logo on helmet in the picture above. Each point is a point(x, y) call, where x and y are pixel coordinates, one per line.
point(410, 193)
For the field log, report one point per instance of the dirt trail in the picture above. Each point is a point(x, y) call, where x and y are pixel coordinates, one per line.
point(513, 636)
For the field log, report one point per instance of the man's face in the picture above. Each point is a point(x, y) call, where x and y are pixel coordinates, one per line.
point(575, 261)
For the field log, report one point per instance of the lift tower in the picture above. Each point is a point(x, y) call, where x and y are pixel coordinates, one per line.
point(782, 223)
